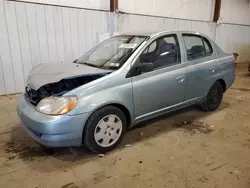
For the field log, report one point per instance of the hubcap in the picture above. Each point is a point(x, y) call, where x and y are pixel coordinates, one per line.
point(108, 130)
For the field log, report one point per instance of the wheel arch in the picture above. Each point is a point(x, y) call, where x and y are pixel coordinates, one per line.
point(123, 108)
point(223, 84)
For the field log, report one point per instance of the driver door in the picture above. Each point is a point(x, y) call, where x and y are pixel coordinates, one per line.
point(162, 87)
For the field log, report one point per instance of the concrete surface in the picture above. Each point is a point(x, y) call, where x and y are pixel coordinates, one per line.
point(189, 149)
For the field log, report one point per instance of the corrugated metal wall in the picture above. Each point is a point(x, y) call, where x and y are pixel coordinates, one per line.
point(31, 34)
point(234, 38)
point(133, 23)
point(231, 32)
point(185, 9)
point(235, 12)
point(231, 38)
point(90, 4)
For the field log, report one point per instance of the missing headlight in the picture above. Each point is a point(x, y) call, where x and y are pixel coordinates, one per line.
point(59, 88)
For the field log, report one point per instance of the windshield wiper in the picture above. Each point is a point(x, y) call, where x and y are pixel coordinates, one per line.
point(91, 65)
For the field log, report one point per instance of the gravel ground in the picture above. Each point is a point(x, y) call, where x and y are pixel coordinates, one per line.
point(185, 149)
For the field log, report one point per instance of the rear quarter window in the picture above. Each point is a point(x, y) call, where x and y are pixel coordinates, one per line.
point(208, 47)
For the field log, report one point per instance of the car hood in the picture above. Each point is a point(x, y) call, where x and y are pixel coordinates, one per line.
point(52, 73)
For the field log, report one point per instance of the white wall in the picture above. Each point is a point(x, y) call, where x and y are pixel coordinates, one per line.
point(235, 11)
point(134, 23)
point(91, 4)
point(231, 38)
point(185, 9)
point(234, 38)
point(31, 34)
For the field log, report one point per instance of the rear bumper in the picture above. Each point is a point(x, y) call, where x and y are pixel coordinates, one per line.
point(51, 131)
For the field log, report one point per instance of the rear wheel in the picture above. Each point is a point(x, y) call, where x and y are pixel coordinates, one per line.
point(104, 129)
point(213, 98)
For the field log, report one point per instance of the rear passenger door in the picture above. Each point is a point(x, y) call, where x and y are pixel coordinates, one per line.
point(201, 66)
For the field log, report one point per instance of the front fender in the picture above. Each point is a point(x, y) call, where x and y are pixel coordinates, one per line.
point(121, 94)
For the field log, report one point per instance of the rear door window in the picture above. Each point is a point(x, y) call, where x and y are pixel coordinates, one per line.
point(197, 46)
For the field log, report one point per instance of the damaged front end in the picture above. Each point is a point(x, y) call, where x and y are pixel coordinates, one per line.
point(59, 88)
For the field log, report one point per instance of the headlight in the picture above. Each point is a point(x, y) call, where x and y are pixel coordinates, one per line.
point(56, 105)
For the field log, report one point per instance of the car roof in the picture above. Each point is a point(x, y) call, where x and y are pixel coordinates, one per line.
point(151, 34)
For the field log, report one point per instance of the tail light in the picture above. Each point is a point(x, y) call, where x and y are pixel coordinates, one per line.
point(235, 59)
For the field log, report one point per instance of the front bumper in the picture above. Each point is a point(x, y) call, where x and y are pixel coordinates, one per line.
point(53, 131)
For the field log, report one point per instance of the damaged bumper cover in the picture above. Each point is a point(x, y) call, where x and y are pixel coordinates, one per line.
point(48, 80)
point(52, 131)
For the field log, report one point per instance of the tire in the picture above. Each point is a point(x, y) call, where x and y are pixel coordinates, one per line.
point(104, 129)
point(213, 98)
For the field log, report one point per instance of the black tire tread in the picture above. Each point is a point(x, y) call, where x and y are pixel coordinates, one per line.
point(96, 116)
point(205, 104)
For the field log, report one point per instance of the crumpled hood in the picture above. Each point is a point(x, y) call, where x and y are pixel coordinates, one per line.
point(52, 73)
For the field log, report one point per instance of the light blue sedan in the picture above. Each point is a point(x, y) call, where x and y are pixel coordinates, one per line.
point(119, 83)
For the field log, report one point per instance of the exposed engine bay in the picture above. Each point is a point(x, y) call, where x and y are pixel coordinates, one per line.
point(59, 88)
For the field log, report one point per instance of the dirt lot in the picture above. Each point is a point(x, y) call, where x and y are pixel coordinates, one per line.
point(189, 149)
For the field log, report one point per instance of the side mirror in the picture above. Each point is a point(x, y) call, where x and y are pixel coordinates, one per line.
point(146, 67)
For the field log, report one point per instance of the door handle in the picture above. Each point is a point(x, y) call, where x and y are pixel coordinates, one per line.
point(180, 79)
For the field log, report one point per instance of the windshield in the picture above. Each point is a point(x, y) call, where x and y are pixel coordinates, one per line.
point(112, 53)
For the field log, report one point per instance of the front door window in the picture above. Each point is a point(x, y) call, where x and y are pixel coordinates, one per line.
point(163, 52)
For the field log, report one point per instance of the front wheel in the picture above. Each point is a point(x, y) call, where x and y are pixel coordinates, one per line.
point(104, 129)
point(213, 98)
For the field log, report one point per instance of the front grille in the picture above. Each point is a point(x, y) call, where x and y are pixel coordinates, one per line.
point(32, 95)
